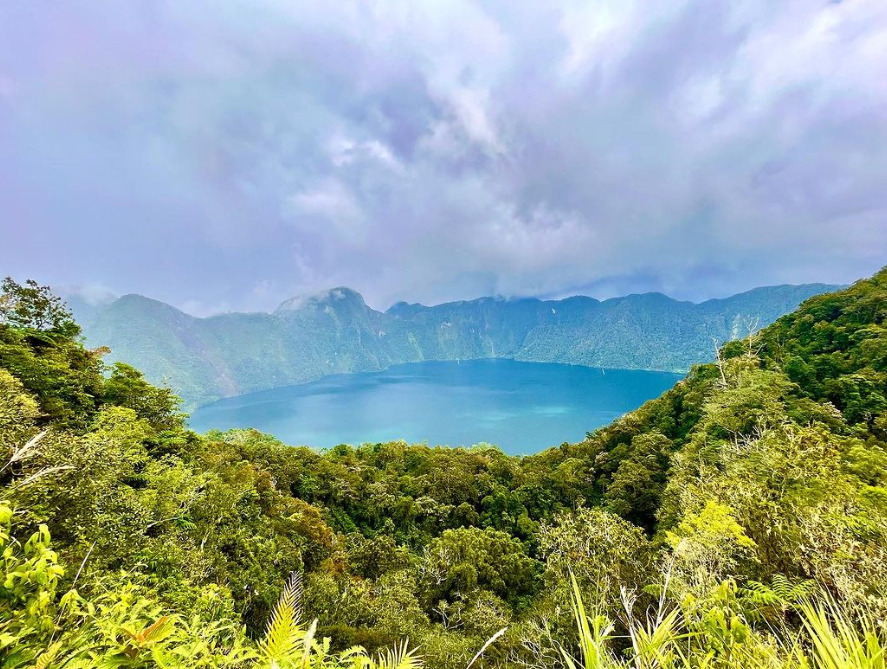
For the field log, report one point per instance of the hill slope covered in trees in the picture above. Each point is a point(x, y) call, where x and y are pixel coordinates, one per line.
point(740, 520)
point(203, 359)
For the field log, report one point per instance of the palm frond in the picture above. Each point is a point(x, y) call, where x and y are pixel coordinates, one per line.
point(593, 635)
point(306, 644)
point(400, 657)
point(43, 472)
point(839, 643)
point(21, 453)
point(488, 643)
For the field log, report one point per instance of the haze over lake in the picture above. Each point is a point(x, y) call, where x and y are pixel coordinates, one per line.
point(519, 406)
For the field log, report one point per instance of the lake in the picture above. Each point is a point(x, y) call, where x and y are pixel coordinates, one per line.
point(522, 407)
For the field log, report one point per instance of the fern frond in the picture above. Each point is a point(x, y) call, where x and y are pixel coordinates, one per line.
point(284, 634)
point(47, 656)
point(291, 596)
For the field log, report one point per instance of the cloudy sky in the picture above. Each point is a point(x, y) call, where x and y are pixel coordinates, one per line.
point(227, 155)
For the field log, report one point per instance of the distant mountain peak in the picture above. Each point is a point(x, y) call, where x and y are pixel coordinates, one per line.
point(135, 298)
point(134, 304)
point(334, 297)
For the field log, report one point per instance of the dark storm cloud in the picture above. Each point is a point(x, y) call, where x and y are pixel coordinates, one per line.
point(229, 155)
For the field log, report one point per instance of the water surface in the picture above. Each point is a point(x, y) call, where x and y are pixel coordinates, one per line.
point(522, 407)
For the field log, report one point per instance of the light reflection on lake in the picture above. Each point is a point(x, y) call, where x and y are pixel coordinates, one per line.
point(522, 407)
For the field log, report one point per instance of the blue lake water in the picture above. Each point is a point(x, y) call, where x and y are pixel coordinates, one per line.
point(522, 407)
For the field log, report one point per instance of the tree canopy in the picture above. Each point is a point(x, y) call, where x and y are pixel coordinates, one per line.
point(755, 487)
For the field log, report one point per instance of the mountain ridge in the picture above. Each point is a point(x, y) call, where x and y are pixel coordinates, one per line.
point(335, 331)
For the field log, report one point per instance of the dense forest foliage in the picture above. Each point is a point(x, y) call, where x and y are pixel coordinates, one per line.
point(740, 520)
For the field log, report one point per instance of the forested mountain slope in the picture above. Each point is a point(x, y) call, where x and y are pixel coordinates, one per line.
point(740, 520)
point(203, 359)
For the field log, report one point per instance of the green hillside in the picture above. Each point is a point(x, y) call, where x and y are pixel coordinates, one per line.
point(740, 520)
point(203, 359)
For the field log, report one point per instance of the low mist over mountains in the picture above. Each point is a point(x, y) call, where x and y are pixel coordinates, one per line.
point(204, 359)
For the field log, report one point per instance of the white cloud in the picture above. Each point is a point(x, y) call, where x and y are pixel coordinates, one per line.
point(330, 209)
point(429, 151)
